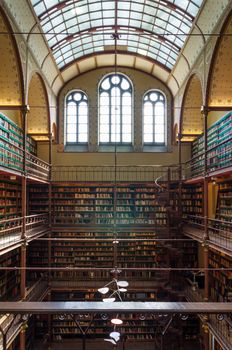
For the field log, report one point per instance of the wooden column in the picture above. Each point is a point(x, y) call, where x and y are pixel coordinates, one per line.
point(206, 336)
point(180, 175)
point(22, 337)
point(49, 242)
point(23, 271)
point(24, 207)
point(204, 111)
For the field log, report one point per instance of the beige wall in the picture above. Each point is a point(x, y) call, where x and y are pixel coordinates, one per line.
point(213, 116)
point(103, 158)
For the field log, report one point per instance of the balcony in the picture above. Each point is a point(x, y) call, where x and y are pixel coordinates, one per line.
point(219, 232)
point(11, 324)
point(11, 231)
point(220, 326)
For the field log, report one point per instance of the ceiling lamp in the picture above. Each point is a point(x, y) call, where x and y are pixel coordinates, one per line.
point(116, 321)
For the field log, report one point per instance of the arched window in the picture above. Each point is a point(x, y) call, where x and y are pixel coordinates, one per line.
point(115, 109)
point(76, 117)
point(154, 109)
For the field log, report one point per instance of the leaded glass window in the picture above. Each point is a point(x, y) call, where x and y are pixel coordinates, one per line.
point(154, 110)
point(76, 117)
point(115, 109)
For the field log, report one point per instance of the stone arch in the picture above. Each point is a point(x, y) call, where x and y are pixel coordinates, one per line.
point(219, 87)
point(191, 121)
point(38, 116)
point(11, 76)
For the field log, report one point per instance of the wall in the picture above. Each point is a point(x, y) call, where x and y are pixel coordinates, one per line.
point(213, 116)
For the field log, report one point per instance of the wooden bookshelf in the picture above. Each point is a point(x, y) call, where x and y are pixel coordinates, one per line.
point(136, 254)
point(190, 254)
point(220, 281)
point(219, 147)
point(11, 144)
point(136, 204)
point(217, 136)
point(10, 198)
point(37, 256)
point(197, 154)
point(224, 205)
point(10, 280)
point(38, 201)
point(192, 201)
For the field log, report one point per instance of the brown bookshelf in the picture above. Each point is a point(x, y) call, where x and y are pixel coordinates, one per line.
point(136, 204)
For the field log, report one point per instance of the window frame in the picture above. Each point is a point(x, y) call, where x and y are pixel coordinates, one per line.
point(131, 91)
point(77, 116)
point(153, 143)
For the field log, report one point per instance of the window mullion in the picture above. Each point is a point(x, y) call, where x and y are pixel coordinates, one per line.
point(154, 128)
point(110, 116)
point(77, 121)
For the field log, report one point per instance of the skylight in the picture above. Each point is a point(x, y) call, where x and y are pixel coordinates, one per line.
point(155, 29)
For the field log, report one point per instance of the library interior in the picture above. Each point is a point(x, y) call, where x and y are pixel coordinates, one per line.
point(116, 174)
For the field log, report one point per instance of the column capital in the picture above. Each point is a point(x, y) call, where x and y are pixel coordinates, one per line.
point(26, 109)
point(24, 327)
point(204, 110)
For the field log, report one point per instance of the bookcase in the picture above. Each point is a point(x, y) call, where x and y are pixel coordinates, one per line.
point(10, 280)
point(219, 144)
point(136, 204)
point(190, 254)
point(192, 201)
point(197, 153)
point(11, 144)
point(217, 135)
point(10, 198)
point(91, 253)
point(220, 281)
point(224, 205)
point(37, 256)
point(38, 201)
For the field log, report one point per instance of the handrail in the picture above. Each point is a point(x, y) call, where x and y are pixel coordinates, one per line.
point(209, 219)
point(38, 159)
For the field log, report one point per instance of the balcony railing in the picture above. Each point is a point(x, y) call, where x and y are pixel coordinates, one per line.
point(220, 327)
point(36, 167)
point(110, 174)
point(35, 293)
point(219, 231)
point(11, 229)
point(11, 157)
point(218, 157)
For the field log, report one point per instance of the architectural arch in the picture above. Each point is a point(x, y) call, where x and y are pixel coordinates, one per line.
point(219, 89)
point(11, 77)
point(38, 116)
point(191, 121)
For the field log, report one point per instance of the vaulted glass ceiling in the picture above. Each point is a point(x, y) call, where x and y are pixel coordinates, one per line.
point(156, 29)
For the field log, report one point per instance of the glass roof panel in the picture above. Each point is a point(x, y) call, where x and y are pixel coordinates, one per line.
point(152, 28)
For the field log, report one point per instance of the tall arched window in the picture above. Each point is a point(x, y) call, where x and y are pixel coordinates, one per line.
point(76, 117)
point(115, 109)
point(154, 109)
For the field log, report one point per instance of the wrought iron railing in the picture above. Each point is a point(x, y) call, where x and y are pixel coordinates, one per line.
point(218, 157)
point(36, 167)
point(11, 229)
point(110, 173)
point(219, 231)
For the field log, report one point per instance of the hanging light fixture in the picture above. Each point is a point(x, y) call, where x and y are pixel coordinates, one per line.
point(113, 290)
